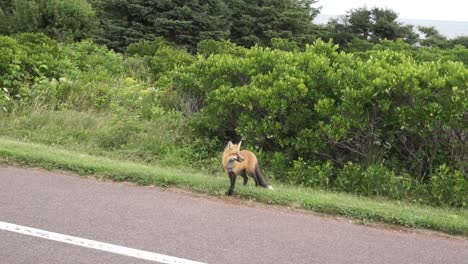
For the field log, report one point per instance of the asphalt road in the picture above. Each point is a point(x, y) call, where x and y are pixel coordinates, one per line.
point(190, 226)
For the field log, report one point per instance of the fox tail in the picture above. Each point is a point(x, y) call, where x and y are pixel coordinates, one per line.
point(261, 178)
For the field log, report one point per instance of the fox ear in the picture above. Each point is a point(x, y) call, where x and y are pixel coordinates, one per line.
point(230, 145)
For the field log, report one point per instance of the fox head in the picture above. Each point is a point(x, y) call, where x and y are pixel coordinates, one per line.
point(233, 151)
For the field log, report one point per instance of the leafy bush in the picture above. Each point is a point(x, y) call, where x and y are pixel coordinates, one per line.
point(366, 50)
point(41, 72)
point(349, 178)
point(90, 57)
point(144, 48)
point(278, 166)
point(71, 94)
point(11, 57)
point(284, 44)
point(210, 47)
point(311, 175)
point(457, 53)
point(167, 59)
point(81, 75)
point(63, 20)
point(27, 58)
point(403, 187)
point(375, 180)
point(449, 187)
point(138, 68)
point(160, 56)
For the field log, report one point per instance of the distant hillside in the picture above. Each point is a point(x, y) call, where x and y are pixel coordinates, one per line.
point(449, 29)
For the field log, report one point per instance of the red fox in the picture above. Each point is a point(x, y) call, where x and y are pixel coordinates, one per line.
point(243, 163)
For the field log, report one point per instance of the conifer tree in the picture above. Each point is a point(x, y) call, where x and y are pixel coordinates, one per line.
point(179, 21)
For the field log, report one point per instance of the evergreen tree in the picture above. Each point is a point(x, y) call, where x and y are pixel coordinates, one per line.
point(179, 21)
point(432, 38)
point(259, 21)
point(5, 10)
point(384, 25)
point(372, 25)
point(460, 40)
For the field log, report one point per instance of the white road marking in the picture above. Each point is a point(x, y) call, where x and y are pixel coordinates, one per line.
point(146, 255)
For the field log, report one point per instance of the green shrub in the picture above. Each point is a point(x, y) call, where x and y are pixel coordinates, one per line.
point(210, 47)
point(73, 94)
point(27, 58)
point(63, 20)
point(90, 57)
point(379, 180)
point(167, 59)
point(41, 72)
point(284, 44)
point(11, 63)
point(349, 178)
point(449, 187)
point(138, 68)
point(278, 165)
point(401, 187)
point(311, 175)
point(145, 48)
point(375, 180)
point(160, 56)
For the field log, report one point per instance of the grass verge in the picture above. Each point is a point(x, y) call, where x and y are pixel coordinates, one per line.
point(452, 221)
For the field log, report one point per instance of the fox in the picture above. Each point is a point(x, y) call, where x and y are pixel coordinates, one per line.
point(236, 162)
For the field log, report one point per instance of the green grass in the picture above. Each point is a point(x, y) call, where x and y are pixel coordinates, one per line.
point(164, 140)
point(452, 221)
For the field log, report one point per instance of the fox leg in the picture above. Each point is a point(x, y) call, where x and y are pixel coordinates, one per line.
point(244, 175)
point(232, 177)
point(254, 176)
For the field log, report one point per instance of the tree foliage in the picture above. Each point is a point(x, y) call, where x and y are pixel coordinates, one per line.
point(258, 22)
point(369, 24)
point(432, 37)
point(184, 23)
point(460, 40)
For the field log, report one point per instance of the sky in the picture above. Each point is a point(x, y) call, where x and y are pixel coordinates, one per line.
point(452, 10)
